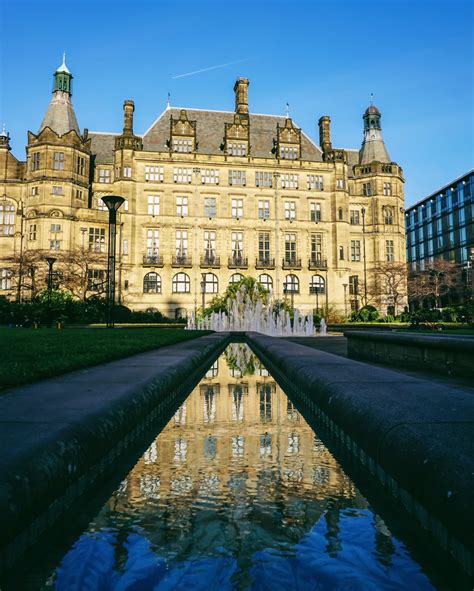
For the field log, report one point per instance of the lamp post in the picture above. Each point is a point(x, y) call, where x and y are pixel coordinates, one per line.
point(203, 290)
point(112, 202)
point(50, 261)
point(365, 257)
point(344, 285)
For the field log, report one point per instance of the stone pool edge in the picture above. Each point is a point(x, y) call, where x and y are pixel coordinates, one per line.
point(390, 449)
point(39, 484)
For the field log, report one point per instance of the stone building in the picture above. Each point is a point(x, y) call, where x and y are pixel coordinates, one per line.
point(210, 196)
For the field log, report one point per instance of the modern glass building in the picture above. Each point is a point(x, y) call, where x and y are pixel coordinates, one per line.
point(441, 225)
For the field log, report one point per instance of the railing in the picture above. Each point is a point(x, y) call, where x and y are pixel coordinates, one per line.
point(212, 262)
point(316, 263)
point(317, 289)
point(238, 262)
point(291, 263)
point(181, 261)
point(153, 260)
point(265, 263)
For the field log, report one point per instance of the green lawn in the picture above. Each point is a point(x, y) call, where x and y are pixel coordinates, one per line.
point(29, 355)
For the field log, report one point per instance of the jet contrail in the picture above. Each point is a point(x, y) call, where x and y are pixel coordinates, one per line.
point(211, 68)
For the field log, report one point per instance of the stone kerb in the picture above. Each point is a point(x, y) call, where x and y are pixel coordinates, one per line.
point(411, 433)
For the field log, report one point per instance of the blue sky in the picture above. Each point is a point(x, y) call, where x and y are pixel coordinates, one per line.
point(321, 57)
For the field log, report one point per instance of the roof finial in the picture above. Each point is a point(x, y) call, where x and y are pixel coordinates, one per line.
point(64, 58)
point(287, 110)
point(4, 131)
point(168, 101)
point(371, 99)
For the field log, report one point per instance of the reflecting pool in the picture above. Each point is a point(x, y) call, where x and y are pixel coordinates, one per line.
point(237, 492)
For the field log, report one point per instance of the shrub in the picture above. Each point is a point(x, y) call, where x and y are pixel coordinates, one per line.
point(365, 314)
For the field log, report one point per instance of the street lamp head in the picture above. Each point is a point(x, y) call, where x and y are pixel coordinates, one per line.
point(113, 202)
point(50, 261)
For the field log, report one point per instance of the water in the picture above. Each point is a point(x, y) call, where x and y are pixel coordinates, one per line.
point(237, 492)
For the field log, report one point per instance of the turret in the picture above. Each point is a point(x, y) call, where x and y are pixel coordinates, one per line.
point(373, 148)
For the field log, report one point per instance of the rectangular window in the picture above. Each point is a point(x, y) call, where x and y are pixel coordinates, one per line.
point(237, 208)
point(263, 209)
point(55, 228)
point(152, 242)
point(80, 165)
point(57, 190)
point(314, 211)
point(354, 285)
point(210, 176)
point(209, 245)
point(290, 210)
point(154, 173)
point(34, 191)
point(237, 244)
point(181, 244)
point(339, 183)
point(182, 145)
point(389, 251)
point(367, 189)
point(263, 179)
point(5, 279)
point(125, 247)
point(104, 175)
point(97, 239)
point(55, 244)
point(289, 181)
point(127, 172)
point(237, 177)
point(316, 248)
point(290, 248)
point(182, 175)
point(388, 215)
point(387, 189)
point(210, 208)
point(264, 247)
point(96, 279)
point(153, 205)
point(354, 217)
point(101, 205)
point(237, 149)
point(79, 194)
point(32, 232)
point(182, 206)
point(58, 160)
point(289, 152)
point(355, 250)
point(315, 181)
point(35, 161)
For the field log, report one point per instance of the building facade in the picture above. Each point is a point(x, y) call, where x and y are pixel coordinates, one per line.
point(211, 196)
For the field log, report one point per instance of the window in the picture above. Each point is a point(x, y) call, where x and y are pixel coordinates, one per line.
point(210, 209)
point(354, 285)
point(264, 247)
point(125, 247)
point(181, 283)
point(182, 175)
point(54, 245)
point(289, 181)
point(104, 175)
point(209, 176)
point(291, 284)
point(34, 191)
point(35, 161)
point(263, 179)
point(96, 280)
point(387, 189)
point(182, 206)
point(7, 218)
point(97, 239)
point(154, 173)
point(152, 243)
point(315, 181)
point(127, 172)
point(339, 183)
point(340, 214)
point(237, 149)
point(237, 208)
point(57, 190)
point(209, 283)
point(182, 145)
point(290, 210)
point(317, 285)
point(316, 248)
point(153, 205)
point(5, 279)
point(388, 215)
point(209, 245)
point(237, 177)
point(237, 245)
point(101, 205)
point(289, 152)
point(390, 250)
point(355, 250)
point(152, 283)
point(354, 217)
point(266, 281)
point(80, 165)
point(181, 244)
point(341, 253)
point(79, 194)
point(235, 278)
point(58, 160)
point(290, 248)
point(263, 209)
point(315, 211)
point(55, 228)
point(32, 232)
point(367, 189)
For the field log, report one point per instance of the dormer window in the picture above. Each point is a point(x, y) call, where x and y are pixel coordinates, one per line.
point(237, 149)
point(289, 152)
point(182, 145)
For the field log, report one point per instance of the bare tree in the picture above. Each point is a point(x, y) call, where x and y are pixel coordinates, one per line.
point(78, 267)
point(434, 282)
point(29, 273)
point(389, 286)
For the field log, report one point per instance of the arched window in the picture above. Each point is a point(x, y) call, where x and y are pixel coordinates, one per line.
point(152, 283)
point(317, 285)
point(266, 281)
point(209, 283)
point(181, 313)
point(7, 218)
point(236, 277)
point(291, 284)
point(181, 283)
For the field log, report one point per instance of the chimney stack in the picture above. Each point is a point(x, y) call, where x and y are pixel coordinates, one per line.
point(241, 89)
point(325, 133)
point(128, 108)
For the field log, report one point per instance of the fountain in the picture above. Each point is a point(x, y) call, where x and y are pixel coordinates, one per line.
point(247, 311)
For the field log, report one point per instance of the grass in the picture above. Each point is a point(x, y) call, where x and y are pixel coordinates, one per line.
point(30, 355)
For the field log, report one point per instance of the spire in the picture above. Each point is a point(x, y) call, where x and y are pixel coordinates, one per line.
point(4, 138)
point(168, 102)
point(287, 110)
point(373, 147)
point(60, 116)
